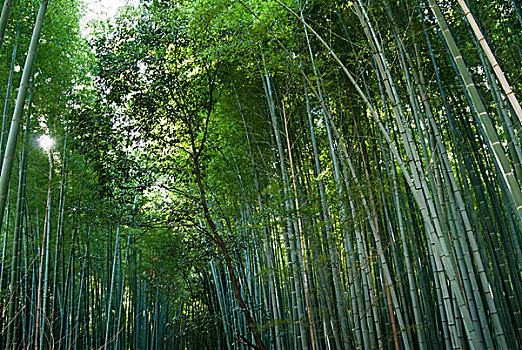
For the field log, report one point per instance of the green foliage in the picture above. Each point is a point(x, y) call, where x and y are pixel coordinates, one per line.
point(220, 165)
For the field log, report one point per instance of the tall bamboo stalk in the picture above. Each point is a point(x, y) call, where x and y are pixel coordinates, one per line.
point(7, 164)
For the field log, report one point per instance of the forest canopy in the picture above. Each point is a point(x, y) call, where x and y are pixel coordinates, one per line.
point(266, 174)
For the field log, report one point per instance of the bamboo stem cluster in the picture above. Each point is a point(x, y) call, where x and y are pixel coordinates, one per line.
point(373, 200)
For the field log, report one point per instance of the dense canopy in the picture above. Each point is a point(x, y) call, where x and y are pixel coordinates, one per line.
point(266, 174)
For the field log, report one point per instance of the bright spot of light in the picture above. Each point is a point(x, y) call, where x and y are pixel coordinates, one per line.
point(46, 142)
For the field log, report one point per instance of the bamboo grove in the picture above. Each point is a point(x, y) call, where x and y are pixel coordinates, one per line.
point(276, 174)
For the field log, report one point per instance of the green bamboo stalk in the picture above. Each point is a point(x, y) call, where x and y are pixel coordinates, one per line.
point(492, 60)
point(12, 332)
point(7, 165)
point(330, 237)
point(109, 305)
point(288, 234)
point(9, 88)
point(4, 18)
point(267, 248)
point(58, 252)
point(494, 142)
point(44, 268)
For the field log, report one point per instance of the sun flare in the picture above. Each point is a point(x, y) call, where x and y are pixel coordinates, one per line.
point(46, 142)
